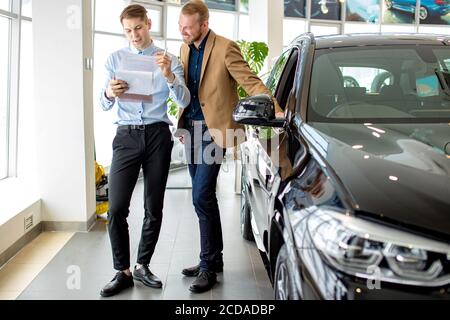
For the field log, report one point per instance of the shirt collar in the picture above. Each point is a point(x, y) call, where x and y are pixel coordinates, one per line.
point(147, 51)
point(202, 44)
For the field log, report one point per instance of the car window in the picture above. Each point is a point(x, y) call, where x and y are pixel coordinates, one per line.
point(387, 83)
point(286, 81)
point(282, 76)
point(447, 64)
point(369, 78)
point(277, 70)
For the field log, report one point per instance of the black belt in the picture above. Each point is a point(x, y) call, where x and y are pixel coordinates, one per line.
point(141, 126)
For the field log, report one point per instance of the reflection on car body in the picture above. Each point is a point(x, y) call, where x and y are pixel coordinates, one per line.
point(349, 196)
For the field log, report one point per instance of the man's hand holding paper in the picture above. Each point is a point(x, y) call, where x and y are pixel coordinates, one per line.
point(116, 88)
point(139, 82)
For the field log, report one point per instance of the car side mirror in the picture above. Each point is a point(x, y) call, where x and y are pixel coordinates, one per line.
point(257, 110)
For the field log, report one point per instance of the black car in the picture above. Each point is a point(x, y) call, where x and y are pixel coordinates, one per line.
point(348, 197)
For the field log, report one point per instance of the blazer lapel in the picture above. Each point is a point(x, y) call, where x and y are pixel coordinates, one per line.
point(184, 57)
point(185, 60)
point(208, 49)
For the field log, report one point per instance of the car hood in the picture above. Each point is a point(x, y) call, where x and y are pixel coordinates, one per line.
point(396, 172)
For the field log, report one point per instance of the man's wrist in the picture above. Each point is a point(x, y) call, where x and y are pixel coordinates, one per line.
point(171, 78)
point(106, 96)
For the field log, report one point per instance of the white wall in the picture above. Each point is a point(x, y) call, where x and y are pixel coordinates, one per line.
point(266, 24)
point(13, 229)
point(63, 101)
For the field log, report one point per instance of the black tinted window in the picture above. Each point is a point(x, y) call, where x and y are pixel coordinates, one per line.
point(387, 83)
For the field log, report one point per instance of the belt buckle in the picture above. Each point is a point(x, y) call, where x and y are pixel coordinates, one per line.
point(139, 127)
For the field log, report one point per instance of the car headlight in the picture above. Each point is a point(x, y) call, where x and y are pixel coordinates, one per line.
point(362, 248)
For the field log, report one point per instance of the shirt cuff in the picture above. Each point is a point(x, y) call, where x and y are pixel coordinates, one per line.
point(106, 97)
point(106, 102)
point(174, 83)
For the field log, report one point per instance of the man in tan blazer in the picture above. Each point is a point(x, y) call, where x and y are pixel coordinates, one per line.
point(213, 67)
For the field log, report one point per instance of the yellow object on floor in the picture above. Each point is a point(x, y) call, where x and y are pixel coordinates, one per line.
point(102, 207)
point(99, 173)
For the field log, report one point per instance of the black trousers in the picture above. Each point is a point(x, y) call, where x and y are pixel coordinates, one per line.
point(149, 147)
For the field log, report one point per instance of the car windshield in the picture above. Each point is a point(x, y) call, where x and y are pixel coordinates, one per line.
point(390, 84)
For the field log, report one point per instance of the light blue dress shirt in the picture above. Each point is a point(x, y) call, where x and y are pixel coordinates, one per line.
point(138, 112)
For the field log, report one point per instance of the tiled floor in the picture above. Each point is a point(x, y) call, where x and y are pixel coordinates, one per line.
point(84, 265)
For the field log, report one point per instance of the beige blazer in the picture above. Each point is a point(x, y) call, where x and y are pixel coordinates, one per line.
point(223, 68)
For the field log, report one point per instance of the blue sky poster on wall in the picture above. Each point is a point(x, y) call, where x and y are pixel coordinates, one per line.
point(294, 8)
point(434, 12)
point(363, 10)
point(399, 11)
point(326, 9)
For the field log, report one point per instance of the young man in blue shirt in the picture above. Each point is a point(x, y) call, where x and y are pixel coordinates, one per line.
point(143, 139)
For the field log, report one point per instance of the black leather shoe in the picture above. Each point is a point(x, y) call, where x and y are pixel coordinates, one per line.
point(120, 282)
point(194, 271)
point(204, 281)
point(144, 275)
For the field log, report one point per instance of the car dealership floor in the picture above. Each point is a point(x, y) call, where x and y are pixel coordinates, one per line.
point(84, 264)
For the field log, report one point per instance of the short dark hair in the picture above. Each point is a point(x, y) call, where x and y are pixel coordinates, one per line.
point(133, 11)
point(196, 6)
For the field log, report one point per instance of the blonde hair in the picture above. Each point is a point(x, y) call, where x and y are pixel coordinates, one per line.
point(134, 11)
point(196, 6)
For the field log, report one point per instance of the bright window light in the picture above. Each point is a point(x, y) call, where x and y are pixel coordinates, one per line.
point(107, 15)
point(291, 29)
point(244, 27)
point(173, 13)
point(222, 23)
point(4, 126)
point(4, 5)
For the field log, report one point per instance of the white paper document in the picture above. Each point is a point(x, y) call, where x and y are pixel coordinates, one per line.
point(135, 62)
point(139, 82)
point(139, 72)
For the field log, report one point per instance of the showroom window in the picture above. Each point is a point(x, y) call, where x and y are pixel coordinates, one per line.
point(4, 5)
point(11, 57)
point(323, 17)
point(4, 80)
point(26, 149)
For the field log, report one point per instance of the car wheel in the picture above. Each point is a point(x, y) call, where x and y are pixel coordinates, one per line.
point(423, 13)
point(388, 4)
point(246, 227)
point(283, 283)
